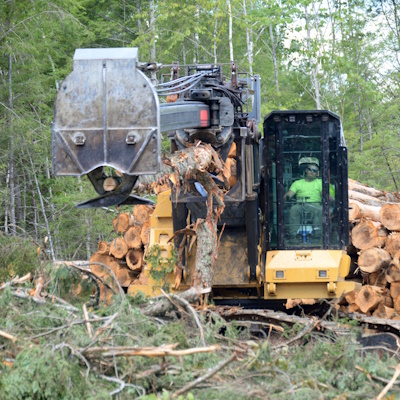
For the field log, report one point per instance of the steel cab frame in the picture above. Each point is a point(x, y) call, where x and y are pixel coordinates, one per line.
point(292, 136)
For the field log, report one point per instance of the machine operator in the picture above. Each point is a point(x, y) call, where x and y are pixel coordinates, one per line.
point(308, 192)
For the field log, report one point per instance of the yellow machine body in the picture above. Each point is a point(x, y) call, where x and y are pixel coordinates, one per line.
point(308, 274)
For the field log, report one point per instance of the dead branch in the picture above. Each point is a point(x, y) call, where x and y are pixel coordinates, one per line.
point(160, 351)
point(382, 394)
point(8, 336)
point(192, 311)
point(206, 376)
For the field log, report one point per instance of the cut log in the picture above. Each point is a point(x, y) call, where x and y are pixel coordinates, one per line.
point(145, 233)
point(393, 273)
point(367, 234)
point(395, 290)
point(109, 184)
point(377, 278)
point(365, 199)
point(103, 248)
point(392, 197)
point(396, 259)
point(383, 311)
point(122, 222)
point(358, 210)
point(354, 211)
point(105, 293)
point(134, 259)
point(369, 297)
point(393, 243)
point(359, 187)
point(373, 259)
point(396, 305)
point(351, 296)
point(97, 269)
point(140, 280)
point(118, 247)
point(132, 237)
point(230, 171)
point(232, 151)
point(125, 277)
point(390, 216)
point(142, 213)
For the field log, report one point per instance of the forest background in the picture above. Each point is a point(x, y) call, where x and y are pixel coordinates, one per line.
point(331, 54)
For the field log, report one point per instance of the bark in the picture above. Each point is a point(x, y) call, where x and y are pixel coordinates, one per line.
point(230, 31)
point(313, 63)
point(365, 199)
point(358, 210)
point(249, 40)
point(11, 161)
point(359, 187)
point(118, 248)
point(390, 216)
point(274, 59)
point(153, 38)
point(132, 237)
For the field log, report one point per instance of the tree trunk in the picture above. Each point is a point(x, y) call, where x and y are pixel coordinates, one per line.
point(230, 31)
point(313, 63)
point(249, 40)
point(11, 161)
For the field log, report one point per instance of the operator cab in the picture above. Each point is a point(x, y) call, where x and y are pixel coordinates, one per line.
point(306, 190)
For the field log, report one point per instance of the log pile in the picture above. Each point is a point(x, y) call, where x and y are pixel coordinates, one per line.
point(375, 251)
point(124, 255)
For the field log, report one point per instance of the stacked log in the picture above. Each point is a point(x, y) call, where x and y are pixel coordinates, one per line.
point(124, 254)
point(375, 250)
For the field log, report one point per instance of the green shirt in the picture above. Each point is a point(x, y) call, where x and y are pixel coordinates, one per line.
point(312, 190)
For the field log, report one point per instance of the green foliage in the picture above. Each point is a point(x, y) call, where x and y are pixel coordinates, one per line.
point(18, 256)
point(160, 266)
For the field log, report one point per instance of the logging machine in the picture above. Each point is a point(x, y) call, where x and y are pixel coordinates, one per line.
point(109, 117)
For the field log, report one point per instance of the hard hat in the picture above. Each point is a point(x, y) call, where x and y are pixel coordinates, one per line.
point(309, 160)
